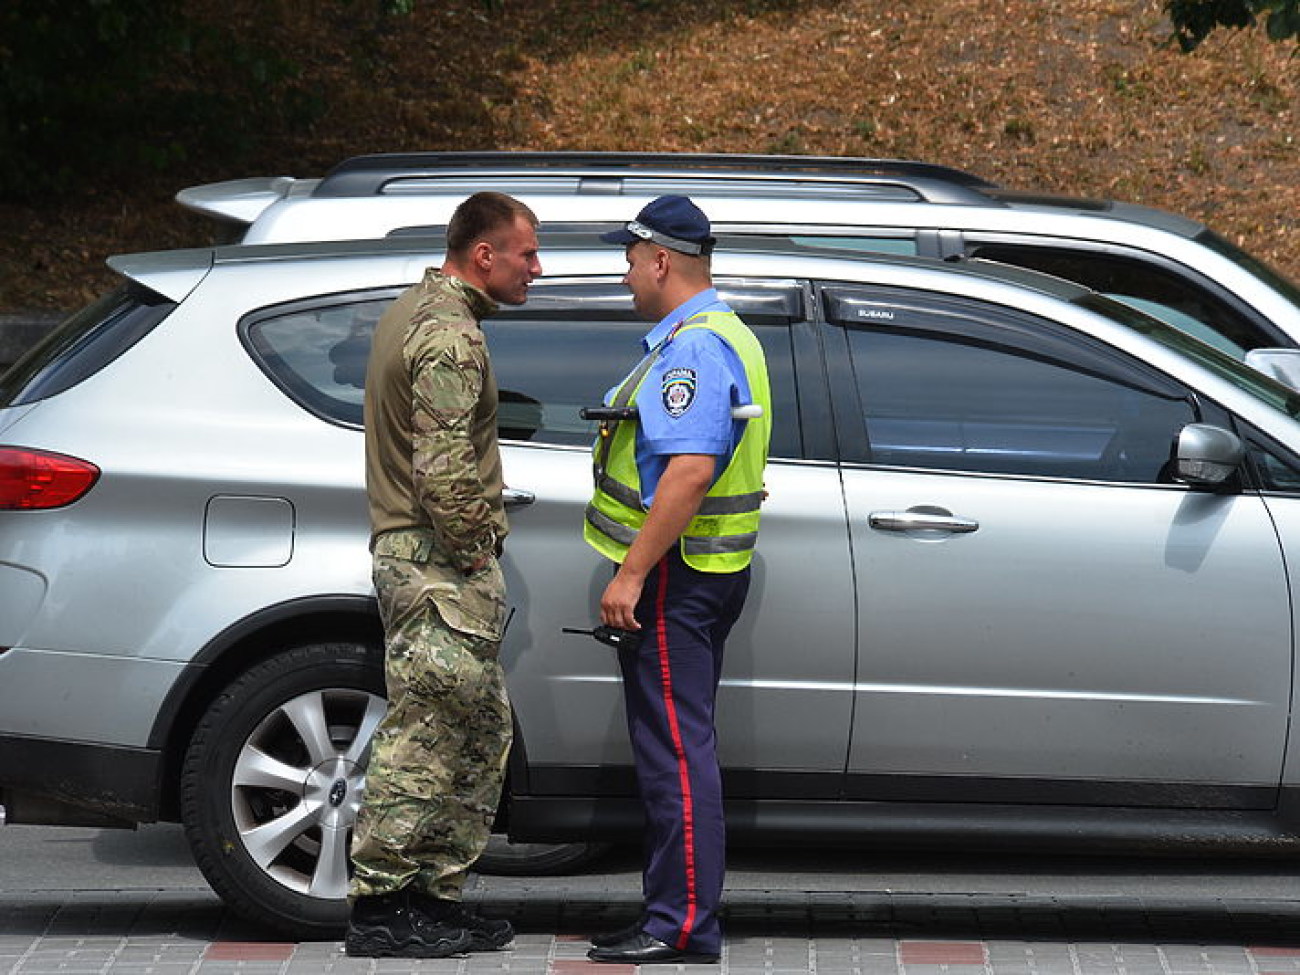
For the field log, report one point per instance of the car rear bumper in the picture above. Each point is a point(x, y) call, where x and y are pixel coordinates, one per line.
point(51, 782)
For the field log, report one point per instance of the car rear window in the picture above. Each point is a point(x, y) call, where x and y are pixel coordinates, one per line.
point(83, 344)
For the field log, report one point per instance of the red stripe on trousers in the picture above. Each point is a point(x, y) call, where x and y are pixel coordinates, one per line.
point(683, 769)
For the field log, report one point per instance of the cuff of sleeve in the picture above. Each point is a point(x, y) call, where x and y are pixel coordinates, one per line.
point(688, 446)
point(471, 555)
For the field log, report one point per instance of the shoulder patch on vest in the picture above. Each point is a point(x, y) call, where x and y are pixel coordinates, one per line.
point(678, 391)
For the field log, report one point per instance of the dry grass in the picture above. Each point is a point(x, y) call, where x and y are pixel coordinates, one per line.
point(1084, 96)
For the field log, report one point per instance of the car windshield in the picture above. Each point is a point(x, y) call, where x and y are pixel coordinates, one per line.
point(1277, 395)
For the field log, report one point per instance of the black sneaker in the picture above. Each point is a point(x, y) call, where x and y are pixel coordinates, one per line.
point(486, 933)
point(387, 927)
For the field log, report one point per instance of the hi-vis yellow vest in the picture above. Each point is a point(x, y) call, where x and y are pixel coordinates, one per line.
point(721, 536)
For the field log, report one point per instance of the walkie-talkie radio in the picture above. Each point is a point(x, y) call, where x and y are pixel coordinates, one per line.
point(611, 636)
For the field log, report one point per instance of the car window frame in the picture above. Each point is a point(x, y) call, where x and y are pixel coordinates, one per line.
point(972, 241)
point(557, 298)
point(295, 389)
point(770, 299)
point(1020, 329)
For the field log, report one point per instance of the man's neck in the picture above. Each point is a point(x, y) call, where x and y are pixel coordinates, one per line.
point(677, 296)
point(467, 275)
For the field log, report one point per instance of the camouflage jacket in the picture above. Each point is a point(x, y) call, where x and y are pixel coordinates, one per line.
point(432, 460)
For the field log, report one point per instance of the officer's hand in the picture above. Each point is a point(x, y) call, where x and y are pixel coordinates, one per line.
point(618, 604)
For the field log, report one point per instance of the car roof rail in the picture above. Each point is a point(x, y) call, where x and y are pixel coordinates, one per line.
point(608, 173)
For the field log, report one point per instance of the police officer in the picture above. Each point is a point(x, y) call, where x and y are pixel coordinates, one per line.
point(676, 506)
point(433, 480)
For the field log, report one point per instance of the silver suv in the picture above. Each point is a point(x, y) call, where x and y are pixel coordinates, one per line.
point(1171, 267)
point(1026, 573)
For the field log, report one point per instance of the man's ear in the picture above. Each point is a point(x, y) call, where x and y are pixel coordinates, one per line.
point(482, 255)
point(663, 261)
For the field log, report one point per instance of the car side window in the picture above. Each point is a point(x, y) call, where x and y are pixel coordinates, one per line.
point(316, 351)
point(570, 343)
point(552, 356)
point(548, 368)
point(1177, 299)
point(1277, 471)
point(958, 388)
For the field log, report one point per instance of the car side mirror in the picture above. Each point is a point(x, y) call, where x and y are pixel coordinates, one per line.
point(1280, 364)
point(1206, 456)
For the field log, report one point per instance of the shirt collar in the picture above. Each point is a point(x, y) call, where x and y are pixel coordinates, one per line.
point(479, 304)
point(692, 306)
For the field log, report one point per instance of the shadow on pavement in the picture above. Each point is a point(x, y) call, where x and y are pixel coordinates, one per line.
point(747, 914)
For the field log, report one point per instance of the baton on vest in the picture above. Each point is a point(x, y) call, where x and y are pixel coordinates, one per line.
point(608, 416)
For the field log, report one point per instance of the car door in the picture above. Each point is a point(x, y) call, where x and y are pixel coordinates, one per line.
point(1275, 468)
point(785, 702)
point(1043, 615)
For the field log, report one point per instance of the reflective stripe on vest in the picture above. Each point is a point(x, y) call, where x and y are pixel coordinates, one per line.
point(722, 535)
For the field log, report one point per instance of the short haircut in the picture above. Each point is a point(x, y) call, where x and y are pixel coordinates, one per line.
point(481, 217)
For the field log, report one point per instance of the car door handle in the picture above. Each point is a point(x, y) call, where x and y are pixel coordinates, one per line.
point(515, 498)
point(921, 518)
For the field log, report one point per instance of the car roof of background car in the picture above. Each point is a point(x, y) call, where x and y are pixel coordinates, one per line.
point(610, 172)
point(592, 173)
point(375, 194)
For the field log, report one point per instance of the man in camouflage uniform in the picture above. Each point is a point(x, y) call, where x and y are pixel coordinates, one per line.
point(433, 479)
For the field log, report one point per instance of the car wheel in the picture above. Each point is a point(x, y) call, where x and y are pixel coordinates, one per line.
point(507, 859)
point(273, 779)
point(272, 782)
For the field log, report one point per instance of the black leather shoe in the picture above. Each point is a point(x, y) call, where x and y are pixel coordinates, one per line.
point(611, 938)
point(642, 949)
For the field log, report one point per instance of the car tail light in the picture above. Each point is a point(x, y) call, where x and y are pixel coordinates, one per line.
point(33, 480)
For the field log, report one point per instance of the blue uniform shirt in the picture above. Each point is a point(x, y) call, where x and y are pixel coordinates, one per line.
point(686, 399)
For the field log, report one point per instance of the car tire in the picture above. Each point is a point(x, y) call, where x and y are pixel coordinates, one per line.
point(507, 859)
point(268, 813)
point(272, 781)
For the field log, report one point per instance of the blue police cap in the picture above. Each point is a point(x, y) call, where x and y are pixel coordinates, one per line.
point(670, 221)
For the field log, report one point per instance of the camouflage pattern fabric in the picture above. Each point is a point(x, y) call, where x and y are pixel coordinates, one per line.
point(433, 480)
point(432, 458)
point(455, 439)
point(438, 758)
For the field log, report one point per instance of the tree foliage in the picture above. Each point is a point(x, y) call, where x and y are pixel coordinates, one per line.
point(102, 92)
point(1195, 20)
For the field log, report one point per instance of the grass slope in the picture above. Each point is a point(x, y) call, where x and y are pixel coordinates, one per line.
point(1085, 97)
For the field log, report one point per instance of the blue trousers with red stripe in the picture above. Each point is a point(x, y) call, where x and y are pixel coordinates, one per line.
point(669, 688)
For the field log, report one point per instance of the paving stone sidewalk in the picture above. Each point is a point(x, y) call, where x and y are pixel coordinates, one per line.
point(769, 931)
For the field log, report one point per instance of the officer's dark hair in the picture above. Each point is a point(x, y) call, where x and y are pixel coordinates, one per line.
point(481, 217)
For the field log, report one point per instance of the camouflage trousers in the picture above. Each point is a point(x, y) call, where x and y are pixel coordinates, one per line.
point(438, 758)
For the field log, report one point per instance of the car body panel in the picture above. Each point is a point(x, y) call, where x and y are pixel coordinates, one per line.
point(565, 688)
point(1117, 662)
point(84, 697)
point(1285, 512)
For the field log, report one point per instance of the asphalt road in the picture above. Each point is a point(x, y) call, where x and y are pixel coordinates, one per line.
point(50, 859)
